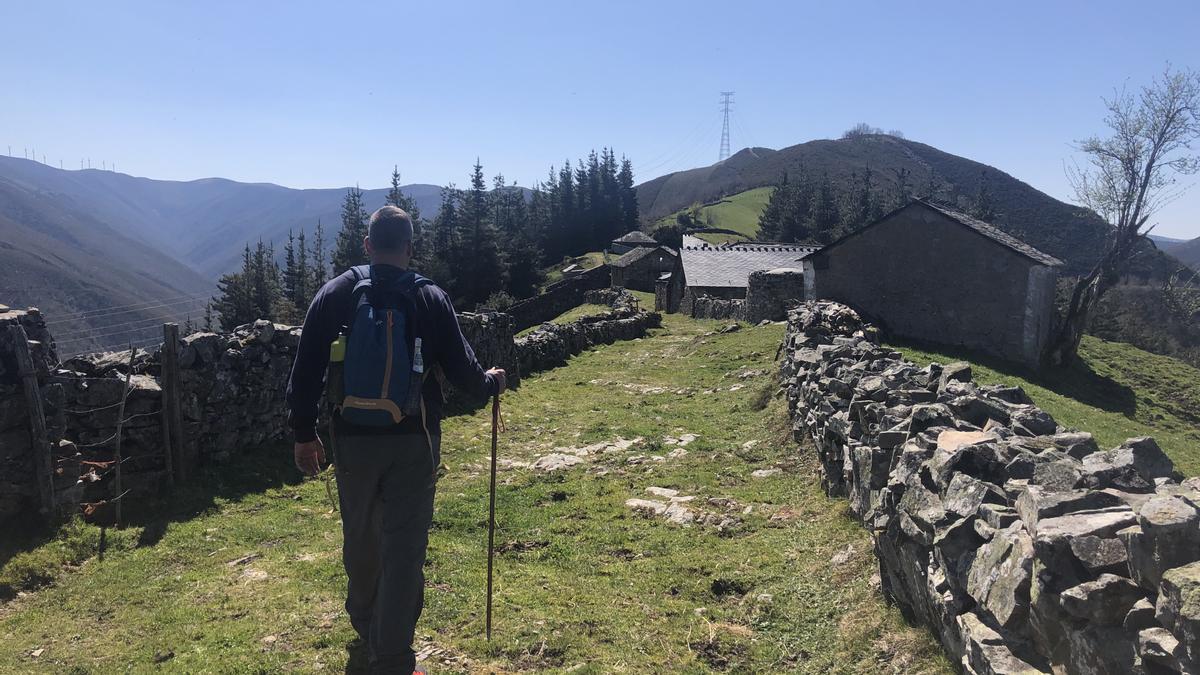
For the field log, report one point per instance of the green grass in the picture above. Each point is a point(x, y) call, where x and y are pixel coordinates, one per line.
point(1117, 392)
point(579, 312)
point(737, 212)
point(586, 261)
point(244, 574)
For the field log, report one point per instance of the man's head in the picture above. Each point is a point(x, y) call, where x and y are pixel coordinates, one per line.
point(389, 237)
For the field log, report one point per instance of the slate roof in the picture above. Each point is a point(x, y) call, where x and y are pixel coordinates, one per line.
point(731, 267)
point(694, 241)
point(638, 253)
point(635, 237)
point(990, 231)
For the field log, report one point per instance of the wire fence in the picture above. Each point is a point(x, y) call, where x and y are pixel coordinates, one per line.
point(97, 470)
point(115, 328)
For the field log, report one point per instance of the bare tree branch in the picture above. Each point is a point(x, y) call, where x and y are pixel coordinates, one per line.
point(1128, 177)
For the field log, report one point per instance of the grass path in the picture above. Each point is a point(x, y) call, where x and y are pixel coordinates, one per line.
point(245, 575)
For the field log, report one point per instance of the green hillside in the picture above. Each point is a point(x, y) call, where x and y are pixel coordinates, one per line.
point(1118, 392)
point(737, 212)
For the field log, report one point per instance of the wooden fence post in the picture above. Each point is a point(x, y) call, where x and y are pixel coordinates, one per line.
point(42, 461)
point(118, 458)
point(170, 385)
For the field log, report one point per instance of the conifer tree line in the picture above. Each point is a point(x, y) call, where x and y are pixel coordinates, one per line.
point(812, 209)
point(484, 246)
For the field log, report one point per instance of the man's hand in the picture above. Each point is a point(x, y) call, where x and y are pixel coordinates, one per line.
point(501, 379)
point(309, 456)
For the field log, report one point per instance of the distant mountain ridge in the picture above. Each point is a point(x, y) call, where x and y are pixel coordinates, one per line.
point(204, 222)
point(108, 257)
point(1188, 253)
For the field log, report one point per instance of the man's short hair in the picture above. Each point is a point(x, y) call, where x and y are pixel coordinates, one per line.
point(390, 229)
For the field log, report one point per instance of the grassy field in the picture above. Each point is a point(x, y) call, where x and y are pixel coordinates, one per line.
point(738, 212)
point(243, 573)
point(1118, 392)
point(586, 261)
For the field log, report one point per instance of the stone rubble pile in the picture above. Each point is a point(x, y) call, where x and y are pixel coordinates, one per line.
point(1022, 544)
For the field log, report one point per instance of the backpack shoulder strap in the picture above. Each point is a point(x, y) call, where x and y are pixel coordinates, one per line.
point(359, 295)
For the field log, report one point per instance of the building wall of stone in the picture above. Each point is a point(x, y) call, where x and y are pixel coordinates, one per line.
point(1021, 544)
point(920, 275)
point(708, 307)
point(558, 298)
point(772, 293)
point(642, 274)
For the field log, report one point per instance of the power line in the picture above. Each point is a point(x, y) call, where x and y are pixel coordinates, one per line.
point(726, 99)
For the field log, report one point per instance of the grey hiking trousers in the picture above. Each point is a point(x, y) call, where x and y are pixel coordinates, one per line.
point(386, 487)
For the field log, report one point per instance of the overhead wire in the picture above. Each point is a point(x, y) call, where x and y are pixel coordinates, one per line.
point(91, 314)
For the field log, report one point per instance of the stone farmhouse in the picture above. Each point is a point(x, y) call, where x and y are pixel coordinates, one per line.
point(630, 241)
point(640, 268)
point(720, 272)
point(933, 274)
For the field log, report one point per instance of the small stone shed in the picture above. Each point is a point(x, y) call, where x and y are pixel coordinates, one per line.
point(631, 240)
point(933, 274)
point(641, 267)
point(722, 273)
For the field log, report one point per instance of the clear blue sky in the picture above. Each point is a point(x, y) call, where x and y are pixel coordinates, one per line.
point(330, 94)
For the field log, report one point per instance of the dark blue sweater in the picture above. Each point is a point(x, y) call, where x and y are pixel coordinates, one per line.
point(443, 345)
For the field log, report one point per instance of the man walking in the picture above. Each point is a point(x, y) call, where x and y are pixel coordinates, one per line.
point(385, 426)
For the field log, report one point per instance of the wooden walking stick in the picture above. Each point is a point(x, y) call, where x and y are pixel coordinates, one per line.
point(492, 511)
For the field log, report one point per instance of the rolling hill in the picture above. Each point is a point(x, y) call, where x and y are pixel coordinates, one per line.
point(1062, 230)
point(1188, 253)
point(203, 223)
point(98, 286)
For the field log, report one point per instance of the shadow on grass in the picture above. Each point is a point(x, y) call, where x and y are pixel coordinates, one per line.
point(1079, 382)
point(257, 470)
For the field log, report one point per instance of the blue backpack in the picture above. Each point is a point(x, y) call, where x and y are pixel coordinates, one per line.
point(384, 368)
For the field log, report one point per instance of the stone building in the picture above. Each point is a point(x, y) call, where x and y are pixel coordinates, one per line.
point(630, 241)
point(720, 273)
point(641, 267)
point(932, 274)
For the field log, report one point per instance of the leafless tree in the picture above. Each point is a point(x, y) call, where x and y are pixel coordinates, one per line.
point(1129, 176)
point(1181, 294)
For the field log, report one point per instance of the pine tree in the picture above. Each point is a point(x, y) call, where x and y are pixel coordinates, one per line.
point(302, 292)
point(859, 203)
point(320, 268)
point(209, 324)
point(235, 302)
point(901, 190)
point(983, 206)
point(479, 249)
point(790, 211)
point(291, 273)
point(825, 214)
point(348, 249)
point(628, 195)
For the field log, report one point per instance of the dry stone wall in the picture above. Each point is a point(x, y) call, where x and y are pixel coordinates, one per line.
point(232, 390)
point(1022, 544)
point(550, 345)
point(558, 298)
